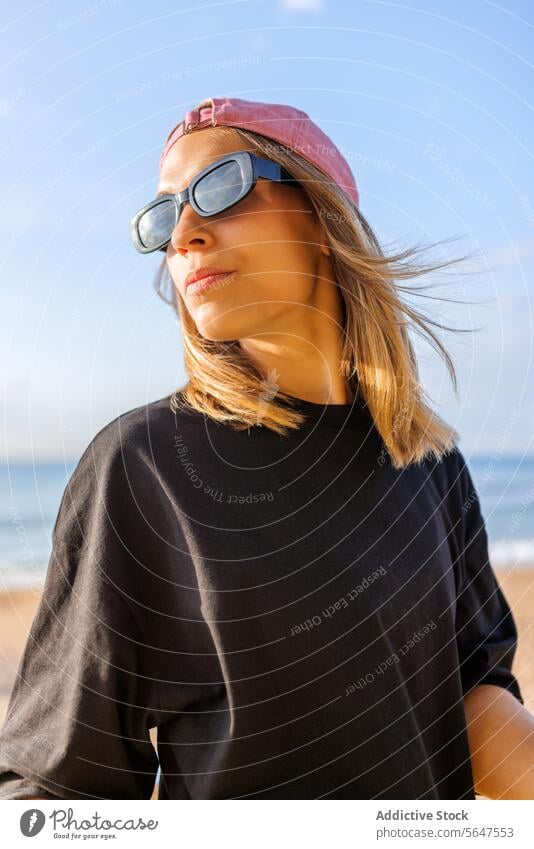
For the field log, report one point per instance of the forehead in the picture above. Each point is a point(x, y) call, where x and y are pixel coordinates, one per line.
point(193, 152)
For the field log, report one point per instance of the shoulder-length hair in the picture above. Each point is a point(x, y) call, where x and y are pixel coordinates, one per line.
point(378, 360)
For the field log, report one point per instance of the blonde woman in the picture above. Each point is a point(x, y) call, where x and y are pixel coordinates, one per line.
point(282, 566)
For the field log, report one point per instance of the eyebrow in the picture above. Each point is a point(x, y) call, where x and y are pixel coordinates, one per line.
point(170, 191)
point(166, 192)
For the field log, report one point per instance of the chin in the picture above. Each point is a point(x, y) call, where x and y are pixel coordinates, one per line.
point(220, 328)
point(216, 331)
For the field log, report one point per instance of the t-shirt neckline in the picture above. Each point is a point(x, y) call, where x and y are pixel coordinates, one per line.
point(353, 415)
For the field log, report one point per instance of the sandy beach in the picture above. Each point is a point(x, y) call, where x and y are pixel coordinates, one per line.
point(18, 606)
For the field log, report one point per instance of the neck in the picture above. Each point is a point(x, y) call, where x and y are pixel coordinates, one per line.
point(301, 356)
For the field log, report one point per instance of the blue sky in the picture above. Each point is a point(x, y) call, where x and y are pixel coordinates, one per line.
point(430, 103)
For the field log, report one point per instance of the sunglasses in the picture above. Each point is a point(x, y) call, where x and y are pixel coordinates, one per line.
point(217, 187)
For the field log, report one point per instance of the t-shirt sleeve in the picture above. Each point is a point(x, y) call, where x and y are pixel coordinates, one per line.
point(77, 723)
point(486, 632)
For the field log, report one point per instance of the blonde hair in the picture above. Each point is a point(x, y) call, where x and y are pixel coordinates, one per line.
point(378, 360)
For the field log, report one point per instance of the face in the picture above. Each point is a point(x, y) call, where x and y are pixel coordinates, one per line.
point(272, 241)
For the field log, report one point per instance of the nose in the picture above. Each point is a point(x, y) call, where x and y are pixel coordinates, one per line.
point(190, 230)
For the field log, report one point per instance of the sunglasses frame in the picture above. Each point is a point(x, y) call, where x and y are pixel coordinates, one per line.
point(251, 166)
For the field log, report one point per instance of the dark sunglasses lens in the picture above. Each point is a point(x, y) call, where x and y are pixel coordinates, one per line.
point(157, 224)
point(220, 188)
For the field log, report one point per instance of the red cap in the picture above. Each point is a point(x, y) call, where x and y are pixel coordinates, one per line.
point(285, 124)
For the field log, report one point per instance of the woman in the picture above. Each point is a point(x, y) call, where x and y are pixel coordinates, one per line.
point(282, 566)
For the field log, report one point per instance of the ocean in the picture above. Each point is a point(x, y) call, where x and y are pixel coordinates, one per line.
point(30, 494)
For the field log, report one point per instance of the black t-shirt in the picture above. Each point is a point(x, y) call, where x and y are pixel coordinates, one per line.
point(299, 619)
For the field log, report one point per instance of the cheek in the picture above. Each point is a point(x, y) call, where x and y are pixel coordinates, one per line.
point(278, 240)
point(287, 264)
point(264, 220)
point(278, 260)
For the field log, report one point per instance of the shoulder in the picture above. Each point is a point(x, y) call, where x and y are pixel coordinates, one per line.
point(138, 445)
point(132, 430)
point(128, 449)
point(139, 432)
point(456, 472)
point(450, 474)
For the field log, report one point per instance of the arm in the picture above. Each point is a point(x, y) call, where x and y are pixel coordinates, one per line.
point(501, 739)
point(499, 727)
point(78, 719)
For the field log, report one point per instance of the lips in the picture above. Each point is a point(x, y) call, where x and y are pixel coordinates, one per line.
point(205, 271)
